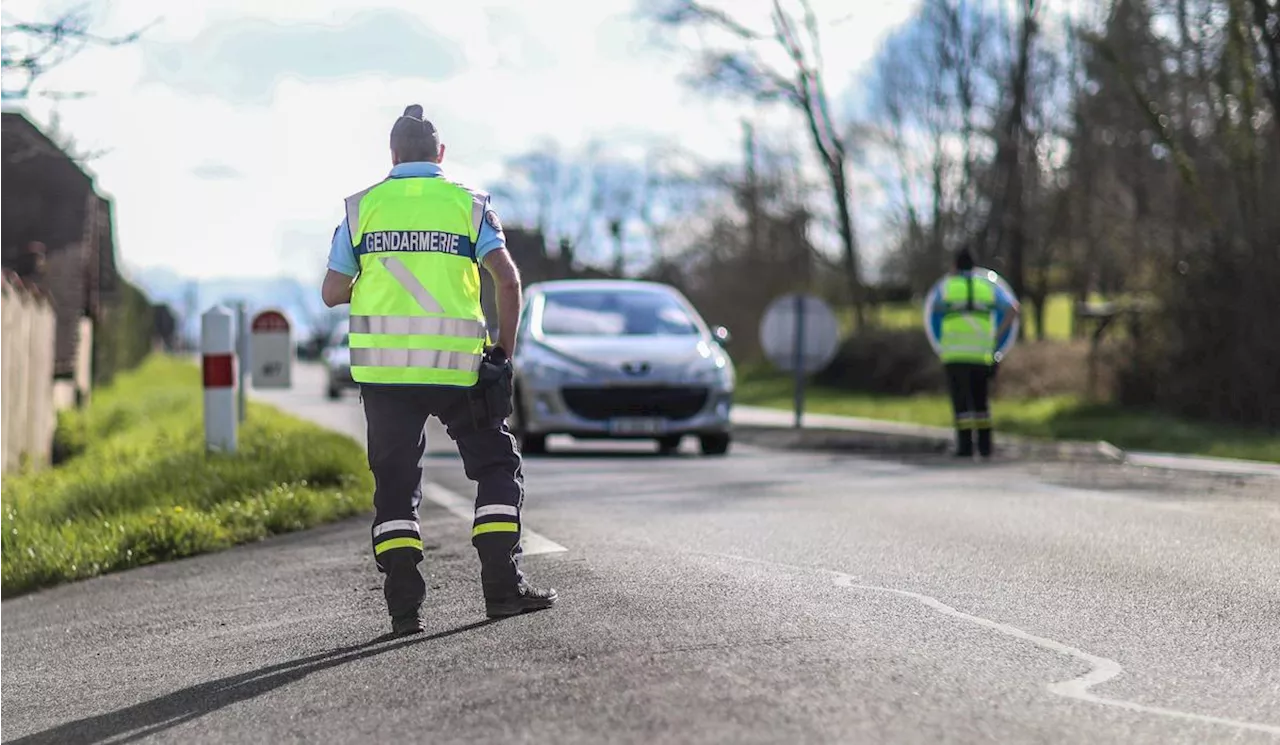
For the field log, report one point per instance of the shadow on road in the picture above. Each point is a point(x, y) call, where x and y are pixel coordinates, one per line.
point(159, 714)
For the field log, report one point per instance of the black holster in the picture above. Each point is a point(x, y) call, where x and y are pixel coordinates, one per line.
point(491, 398)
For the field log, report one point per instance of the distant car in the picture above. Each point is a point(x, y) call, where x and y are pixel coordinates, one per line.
point(337, 361)
point(619, 359)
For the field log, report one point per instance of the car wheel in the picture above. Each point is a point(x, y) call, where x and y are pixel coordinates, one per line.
point(669, 445)
point(529, 444)
point(714, 444)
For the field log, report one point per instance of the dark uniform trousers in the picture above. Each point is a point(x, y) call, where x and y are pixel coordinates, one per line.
point(397, 417)
point(969, 384)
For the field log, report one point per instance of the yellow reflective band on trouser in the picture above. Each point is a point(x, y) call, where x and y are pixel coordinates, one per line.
point(982, 421)
point(495, 528)
point(394, 543)
point(417, 326)
point(429, 358)
point(964, 421)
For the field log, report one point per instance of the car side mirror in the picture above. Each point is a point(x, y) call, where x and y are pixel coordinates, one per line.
point(722, 334)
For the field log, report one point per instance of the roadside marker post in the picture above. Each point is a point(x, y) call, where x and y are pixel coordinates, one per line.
point(218, 352)
point(242, 360)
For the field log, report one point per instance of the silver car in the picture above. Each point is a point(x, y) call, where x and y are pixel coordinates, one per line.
point(337, 361)
point(619, 359)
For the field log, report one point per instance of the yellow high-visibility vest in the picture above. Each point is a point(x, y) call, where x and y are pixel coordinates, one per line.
point(968, 324)
point(416, 317)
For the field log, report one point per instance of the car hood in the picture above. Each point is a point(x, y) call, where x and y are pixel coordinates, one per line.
point(660, 352)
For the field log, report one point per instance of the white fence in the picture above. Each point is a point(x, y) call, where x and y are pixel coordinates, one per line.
point(26, 389)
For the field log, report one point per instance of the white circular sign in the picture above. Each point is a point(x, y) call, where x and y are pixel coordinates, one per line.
point(932, 317)
point(818, 332)
point(271, 350)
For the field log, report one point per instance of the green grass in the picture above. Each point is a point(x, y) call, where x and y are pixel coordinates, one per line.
point(1055, 417)
point(138, 488)
point(911, 316)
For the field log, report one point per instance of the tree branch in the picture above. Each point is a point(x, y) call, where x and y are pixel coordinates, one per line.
point(30, 49)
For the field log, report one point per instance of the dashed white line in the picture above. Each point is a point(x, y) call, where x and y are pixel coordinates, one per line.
point(532, 543)
point(1102, 669)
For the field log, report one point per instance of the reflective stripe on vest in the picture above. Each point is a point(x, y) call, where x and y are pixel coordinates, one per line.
point(968, 329)
point(421, 326)
point(416, 316)
point(429, 358)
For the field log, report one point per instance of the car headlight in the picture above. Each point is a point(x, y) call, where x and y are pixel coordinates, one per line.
point(712, 371)
point(546, 371)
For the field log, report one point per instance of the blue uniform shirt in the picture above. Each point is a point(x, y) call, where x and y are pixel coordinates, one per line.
point(342, 257)
point(1004, 302)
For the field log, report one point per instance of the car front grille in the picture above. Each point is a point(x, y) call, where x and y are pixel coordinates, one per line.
point(670, 402)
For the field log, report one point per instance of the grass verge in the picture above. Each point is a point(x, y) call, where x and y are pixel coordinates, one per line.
point(136, 486)
point(1051, 417)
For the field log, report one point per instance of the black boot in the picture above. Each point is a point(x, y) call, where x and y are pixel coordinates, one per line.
point(964, 443)
point(984, 443)
point(404, 590)
point(526, 598)
point(506, 591)
point(409, 623)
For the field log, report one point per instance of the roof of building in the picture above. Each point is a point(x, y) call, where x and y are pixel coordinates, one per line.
point(50, 199)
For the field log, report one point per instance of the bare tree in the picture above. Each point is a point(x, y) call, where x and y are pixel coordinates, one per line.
point(933, 81)
point(30, 49)
point(1008, 218)
point(592, 205)
point(68, 143)
point(750, 243)
point(743, 71)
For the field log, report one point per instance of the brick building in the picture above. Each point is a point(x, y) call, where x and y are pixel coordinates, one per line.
point(57, 234)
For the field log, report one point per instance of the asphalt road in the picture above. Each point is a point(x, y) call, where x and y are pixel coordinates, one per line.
point(765, 597)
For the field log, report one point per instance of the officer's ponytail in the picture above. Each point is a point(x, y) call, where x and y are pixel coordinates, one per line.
point(413, 138)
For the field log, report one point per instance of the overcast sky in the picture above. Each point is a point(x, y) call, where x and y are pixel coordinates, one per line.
point(236, 127)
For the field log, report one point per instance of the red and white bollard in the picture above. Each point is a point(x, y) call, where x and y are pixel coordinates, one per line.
point(217, 344)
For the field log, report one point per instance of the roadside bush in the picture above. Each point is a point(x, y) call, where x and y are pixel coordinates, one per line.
point(1058, 368)
point(900, 362)
point(896, 362)
point(137, 487)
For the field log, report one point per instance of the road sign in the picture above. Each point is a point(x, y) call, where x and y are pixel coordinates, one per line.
point(802, 318)
point(800, 335)
point(932, 324)
point(271, 352)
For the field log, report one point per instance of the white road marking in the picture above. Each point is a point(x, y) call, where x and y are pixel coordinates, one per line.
point(1103, 669)
point(533, 543)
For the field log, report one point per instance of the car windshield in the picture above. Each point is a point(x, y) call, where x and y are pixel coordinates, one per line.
point(615, 313)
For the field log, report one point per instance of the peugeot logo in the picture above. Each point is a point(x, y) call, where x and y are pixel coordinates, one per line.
point(635, 368)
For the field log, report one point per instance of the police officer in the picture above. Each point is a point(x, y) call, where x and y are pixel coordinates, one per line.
point(965, 303)
point(406, 258)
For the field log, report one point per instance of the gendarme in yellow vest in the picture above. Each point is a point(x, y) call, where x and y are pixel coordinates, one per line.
point(968, 324)
point(416, 317)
